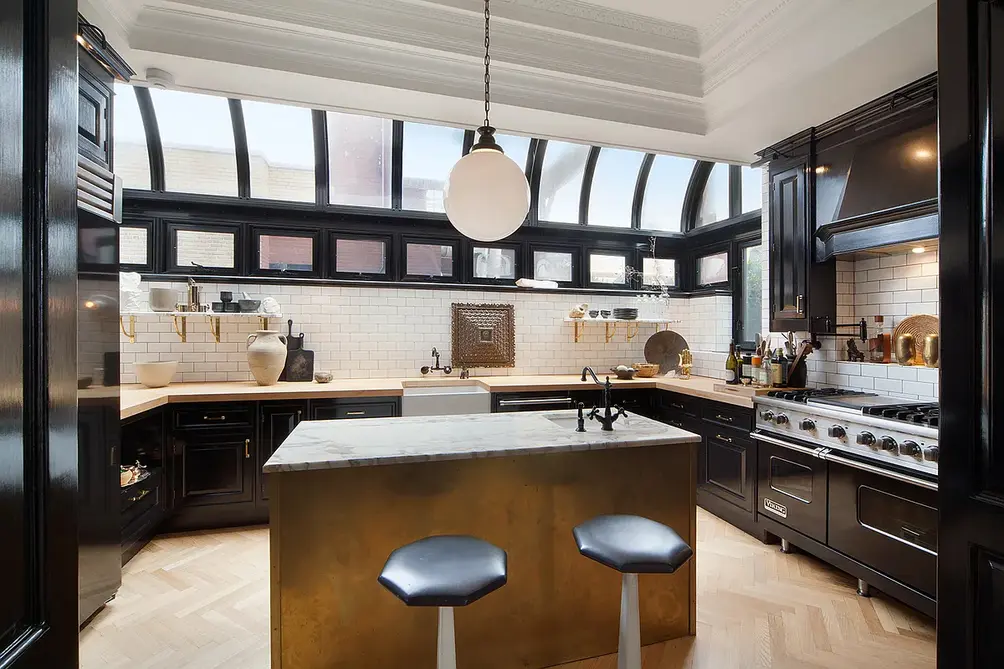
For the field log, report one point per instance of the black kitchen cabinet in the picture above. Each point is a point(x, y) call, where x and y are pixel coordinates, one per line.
point(278, 419)
point(337, 409)
point(728, 466)
point(802, 291)
point(217, 467)
point(94, 110)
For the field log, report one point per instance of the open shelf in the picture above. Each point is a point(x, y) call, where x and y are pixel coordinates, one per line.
point(180, 319)
point(611, 325)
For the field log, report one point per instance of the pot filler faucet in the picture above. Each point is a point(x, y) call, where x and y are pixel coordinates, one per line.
point(609, 417)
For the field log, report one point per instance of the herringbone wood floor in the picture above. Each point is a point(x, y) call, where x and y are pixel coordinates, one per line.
point(201, 600)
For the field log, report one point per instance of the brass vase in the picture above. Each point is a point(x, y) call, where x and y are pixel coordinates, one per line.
point(932, 350)
point(906, 348)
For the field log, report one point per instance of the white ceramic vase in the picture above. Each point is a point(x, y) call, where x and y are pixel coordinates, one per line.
point(266, 356)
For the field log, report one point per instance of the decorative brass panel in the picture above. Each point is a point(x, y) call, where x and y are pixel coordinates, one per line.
point(331, 531)
point(484, 335)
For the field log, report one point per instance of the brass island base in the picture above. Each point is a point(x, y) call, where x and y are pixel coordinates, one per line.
point(332, 529)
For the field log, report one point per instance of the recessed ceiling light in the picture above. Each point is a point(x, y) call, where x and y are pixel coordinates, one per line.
point(918, 249)
point(923, 154)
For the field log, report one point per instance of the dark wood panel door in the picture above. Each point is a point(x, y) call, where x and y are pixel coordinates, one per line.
point(971, 468)
point(94, 109)
point(789, 245)
point(277, 422)
point(728, 467)
point(217, 468)
point(38, 291)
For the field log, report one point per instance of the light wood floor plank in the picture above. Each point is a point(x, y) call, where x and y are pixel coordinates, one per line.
point(200, 601)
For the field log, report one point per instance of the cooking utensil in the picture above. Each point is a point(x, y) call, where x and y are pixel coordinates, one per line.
point(291, 345)
point(919, 326)
point(299, 362)
point(194, 295)
point(249, 306)
point(664, 349)
point(796, 370)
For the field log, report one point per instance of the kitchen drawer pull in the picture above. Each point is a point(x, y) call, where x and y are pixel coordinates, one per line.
point(727, 419)
point(355, 413)
point(532, 401)
point(138, 497)
point(247, 448)
point(675, 423)
point(879, 471)
point(220, 417)
point(785, 444)
point(723, 438)
point(674, 405)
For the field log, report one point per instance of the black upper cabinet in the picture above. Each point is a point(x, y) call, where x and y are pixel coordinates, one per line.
point(802, 291)
point(94, 110)
point(277, 422)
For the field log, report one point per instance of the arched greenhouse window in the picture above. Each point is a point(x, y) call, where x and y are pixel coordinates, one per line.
point(611, 196)
point(715, 200)
point(132, 161)
point(561, 182)
point(430, 152)
point(662, 206)
point(280, 151)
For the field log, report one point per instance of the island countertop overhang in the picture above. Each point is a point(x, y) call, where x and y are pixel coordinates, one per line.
point(334, 444)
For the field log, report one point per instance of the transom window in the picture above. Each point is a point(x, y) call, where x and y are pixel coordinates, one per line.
point(614, 181)
point(662, 208)
point(430, 152)
point(561, 182)
point(280, 151)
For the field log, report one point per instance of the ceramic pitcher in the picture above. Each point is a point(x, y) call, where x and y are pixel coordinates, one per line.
point(266, 356)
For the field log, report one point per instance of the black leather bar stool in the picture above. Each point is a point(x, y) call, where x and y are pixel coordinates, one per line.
point(632, 545)
point(444, 571)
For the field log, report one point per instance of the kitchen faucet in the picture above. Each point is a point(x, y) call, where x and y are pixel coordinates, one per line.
point(609, 417)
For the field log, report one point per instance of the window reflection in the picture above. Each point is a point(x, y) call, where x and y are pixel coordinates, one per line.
point(360, 256)
point(280, 151)
point(494, 263)
point(658, 272)
point(132, 245)
point(752, 292)
point(561, 182)
point(752, 185)
point(430, 152)
point(662, 207)
point(607, 268)
point(359, 159)
point(198, 139)
point(552, 266)
point(614, 180)
point(430, 260)
point(201, 248)
point(713, 269)
point(715, 200)
point(132, 162)
point(287, 254)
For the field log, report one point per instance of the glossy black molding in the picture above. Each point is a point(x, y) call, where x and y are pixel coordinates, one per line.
point(97, 46)
point(153, 144)
point(911, 223)
point(241, 149)
point(971, 257)
point(638, 203)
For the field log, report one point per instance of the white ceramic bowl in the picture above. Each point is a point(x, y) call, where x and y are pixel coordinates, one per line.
point(156, 374)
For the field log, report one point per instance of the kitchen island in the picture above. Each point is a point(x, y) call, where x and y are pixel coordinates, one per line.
point(344, 494)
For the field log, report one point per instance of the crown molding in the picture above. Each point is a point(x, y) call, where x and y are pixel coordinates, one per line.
point(400, 65)
point(458, 34)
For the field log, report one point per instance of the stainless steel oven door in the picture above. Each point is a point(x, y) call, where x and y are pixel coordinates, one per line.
point(791, 485)
point(886, 520)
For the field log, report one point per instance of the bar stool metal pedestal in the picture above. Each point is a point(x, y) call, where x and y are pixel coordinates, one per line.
point(632, 545)
point(445, 571)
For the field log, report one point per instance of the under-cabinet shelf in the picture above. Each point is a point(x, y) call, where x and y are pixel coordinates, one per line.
point(611, 325)
point(180, 319)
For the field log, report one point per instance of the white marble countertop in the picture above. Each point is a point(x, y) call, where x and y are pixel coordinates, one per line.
point(332, 444)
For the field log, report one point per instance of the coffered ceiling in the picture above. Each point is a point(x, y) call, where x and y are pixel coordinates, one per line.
point(709, 78)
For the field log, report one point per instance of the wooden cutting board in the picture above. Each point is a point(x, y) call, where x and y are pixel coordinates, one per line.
point(299, 364)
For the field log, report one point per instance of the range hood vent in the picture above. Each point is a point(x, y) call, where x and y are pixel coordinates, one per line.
point(99, 192)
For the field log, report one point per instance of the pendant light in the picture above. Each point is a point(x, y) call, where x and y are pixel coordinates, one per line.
point(486, 195)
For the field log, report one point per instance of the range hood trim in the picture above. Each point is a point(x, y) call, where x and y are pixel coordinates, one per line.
point(915, 222)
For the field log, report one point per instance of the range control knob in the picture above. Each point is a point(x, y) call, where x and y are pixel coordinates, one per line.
point(887, 444)
point(781, 419)
point(807, 424)
point(837, 431)
point(931, 453)
point(767, 415)
point(909, 447)
point(866, 439)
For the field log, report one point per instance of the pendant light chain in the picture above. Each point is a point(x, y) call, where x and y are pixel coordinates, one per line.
point(488, 60)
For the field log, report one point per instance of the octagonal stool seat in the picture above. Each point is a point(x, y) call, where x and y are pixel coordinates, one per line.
point(632, 545)
point(444, 571)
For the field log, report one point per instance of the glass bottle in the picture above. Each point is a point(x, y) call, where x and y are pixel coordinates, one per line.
point(732, 366)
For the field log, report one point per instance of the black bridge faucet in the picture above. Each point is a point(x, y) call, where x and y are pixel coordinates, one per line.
point(609, 417)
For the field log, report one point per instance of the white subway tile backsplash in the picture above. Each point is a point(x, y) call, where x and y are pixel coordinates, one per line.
point(903, 373)
point(889, 385)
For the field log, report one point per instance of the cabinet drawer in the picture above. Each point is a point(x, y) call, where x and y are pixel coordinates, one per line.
point(354, 409)
point(728, 415)
point(680, 403)
point(214, 415)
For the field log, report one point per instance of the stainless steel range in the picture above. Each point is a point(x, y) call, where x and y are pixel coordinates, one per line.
point(883, 430)
point(854, 473)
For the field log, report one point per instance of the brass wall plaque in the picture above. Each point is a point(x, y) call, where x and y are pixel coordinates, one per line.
point(484, 335)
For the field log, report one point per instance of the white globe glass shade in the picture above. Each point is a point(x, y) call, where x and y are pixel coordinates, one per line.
point(486, 195)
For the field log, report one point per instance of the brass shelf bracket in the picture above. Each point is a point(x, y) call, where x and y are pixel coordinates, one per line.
point(263, 322)
point(578, 331)
point(131, 333)
point(611, 331)
point(629, 333)
point(214, 327)
point(183, 330)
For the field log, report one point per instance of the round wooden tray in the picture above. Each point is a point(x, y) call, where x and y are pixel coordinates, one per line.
point(919, 326)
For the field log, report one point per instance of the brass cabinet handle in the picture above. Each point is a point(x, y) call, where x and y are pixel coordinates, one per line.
point(675, 423)
point(355, 413)
point(299, 413)
point(798, 303)
point(727, 419)
point(728, 439)
point(676, 406)
point(247, 448)
point(220, 417)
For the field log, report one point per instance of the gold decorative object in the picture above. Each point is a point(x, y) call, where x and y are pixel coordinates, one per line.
point(484, 335)
point(918, 326)
point(932, 350)
point(906, 349)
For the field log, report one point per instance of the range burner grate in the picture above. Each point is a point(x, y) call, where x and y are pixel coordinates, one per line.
point(804, 394)
point(924, 414)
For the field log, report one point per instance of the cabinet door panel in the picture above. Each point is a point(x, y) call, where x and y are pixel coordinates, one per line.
point(729, 468)
point(217, 469)
point(277, 422)
point(340, 410)
point(788, 244)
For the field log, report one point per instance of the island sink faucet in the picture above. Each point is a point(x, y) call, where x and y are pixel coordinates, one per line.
point(609, 417)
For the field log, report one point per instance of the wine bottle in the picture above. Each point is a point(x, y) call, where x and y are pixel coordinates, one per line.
point(732, 366)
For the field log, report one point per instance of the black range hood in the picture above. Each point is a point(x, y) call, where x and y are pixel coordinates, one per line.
point(876, 174)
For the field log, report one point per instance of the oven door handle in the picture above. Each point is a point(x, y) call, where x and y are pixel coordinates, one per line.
point(879, 471)
point(817, 452)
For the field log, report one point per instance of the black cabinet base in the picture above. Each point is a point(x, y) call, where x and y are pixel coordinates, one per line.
point(912, 598)
point(214, 516)
point(731, 514)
